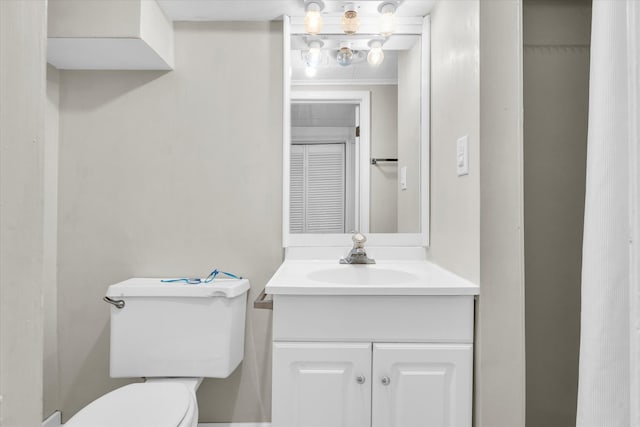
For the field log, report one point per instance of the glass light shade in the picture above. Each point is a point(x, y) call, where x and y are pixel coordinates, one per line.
point(345, 56)
point(350, 22)
point(313, 21)
point(314, 56)
point(387, 23)
point(375, 56)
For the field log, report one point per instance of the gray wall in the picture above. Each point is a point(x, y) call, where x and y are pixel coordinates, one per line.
point(51, 380)
point(22, 194)
point(556, 97)
point(165, 174)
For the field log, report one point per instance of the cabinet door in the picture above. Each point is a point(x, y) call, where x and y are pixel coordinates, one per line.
point(422, 385)
point(321, 385)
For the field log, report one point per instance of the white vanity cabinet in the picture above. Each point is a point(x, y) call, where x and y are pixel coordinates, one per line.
point(380, 345)
point(321, 384)
point(360, 385)
point(372, 360)
point(421, 385)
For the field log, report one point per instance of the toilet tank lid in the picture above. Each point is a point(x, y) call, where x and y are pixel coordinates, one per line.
point(147, 287)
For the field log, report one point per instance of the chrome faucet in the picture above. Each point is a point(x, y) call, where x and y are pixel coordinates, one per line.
point(357, 254)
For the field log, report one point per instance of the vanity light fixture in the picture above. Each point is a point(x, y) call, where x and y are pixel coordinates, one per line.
point(314, 55)
point(345, 54)
point(313, 18)
point(388, 18)
point(376, 55)
point(350, 19)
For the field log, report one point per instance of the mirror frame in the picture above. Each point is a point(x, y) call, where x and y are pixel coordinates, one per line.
point(420, 239)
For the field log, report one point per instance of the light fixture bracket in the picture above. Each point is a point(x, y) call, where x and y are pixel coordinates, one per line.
point(314, 42)
point(388, 6)
point(376, 42)
point(350, 7)
point(315, 5)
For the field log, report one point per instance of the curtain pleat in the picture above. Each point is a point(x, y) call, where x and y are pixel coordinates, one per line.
point(608, 368)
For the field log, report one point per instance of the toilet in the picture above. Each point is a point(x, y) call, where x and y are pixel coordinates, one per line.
point(173, 335)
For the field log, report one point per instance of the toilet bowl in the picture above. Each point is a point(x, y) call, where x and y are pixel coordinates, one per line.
point(174, 335)
point(149, 404)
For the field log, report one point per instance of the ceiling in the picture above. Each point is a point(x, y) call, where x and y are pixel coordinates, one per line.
point(269, 10)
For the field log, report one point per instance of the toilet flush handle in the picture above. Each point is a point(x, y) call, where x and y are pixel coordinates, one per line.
point(118, 303)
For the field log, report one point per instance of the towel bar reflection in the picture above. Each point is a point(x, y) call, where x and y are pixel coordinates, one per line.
point(263, 302)
point(375, 160)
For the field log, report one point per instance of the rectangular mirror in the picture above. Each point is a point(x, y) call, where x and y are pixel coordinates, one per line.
point(356, 135)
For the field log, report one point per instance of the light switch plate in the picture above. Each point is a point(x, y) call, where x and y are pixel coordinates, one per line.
point(462, 156)
point(403, 178)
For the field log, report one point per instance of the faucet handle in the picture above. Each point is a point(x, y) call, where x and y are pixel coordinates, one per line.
point(358, 240)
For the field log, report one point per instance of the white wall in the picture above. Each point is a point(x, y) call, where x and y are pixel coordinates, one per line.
point(22, 140)
point(409, 114)
point(172, 174)
point(384, 144)
point(476, 220)
point(51, 381)
point(500, 349)
point(455, 98)
point(81, 18)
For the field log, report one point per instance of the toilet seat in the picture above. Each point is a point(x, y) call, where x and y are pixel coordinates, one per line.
point(152, 404)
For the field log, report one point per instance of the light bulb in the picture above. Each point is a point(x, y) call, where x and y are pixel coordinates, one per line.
point(387, 19)
point(345, 55)
point(376, 55)
point(350, 19)
point(387, 24)
point(310, 71)
point(313, 18)
point(314, 55)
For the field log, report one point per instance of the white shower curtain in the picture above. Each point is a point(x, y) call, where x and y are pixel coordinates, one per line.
point(609, 380)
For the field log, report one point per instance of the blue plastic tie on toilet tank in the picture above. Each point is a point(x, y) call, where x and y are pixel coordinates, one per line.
point(197, 280)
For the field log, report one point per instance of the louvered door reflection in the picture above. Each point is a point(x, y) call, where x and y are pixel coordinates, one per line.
point(296, 190)
point(317, 188)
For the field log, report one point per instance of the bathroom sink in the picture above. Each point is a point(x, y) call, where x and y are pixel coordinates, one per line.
point(387, 277)
point(361, 275)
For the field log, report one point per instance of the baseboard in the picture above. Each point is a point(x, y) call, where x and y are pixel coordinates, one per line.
point(234, 425)
point(53, 420)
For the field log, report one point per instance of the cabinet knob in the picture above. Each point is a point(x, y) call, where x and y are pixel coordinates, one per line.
point(386, 380)
point(360, 379)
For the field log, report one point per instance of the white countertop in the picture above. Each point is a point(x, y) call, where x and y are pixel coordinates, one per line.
point(392, 277)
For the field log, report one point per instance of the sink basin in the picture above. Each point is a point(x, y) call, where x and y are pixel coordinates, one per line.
point(387, 277)
point(361, 275)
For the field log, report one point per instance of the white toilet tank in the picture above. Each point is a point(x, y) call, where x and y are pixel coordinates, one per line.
point(177, 329)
